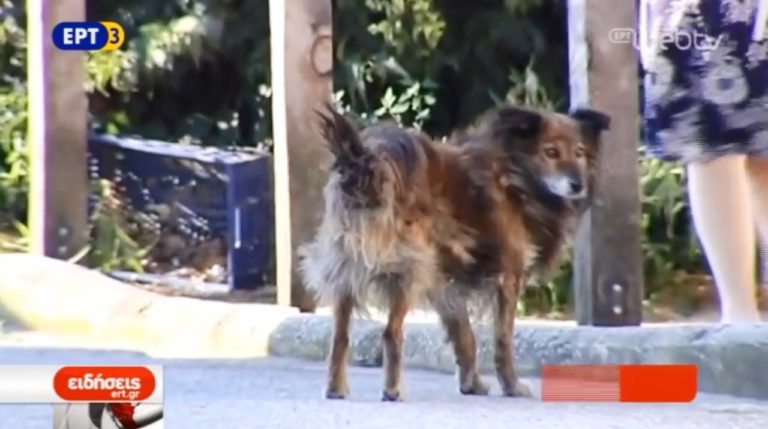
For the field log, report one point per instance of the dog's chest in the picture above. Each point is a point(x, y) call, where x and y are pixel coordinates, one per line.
point(550, 236)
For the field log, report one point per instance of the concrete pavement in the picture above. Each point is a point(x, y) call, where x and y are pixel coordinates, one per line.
point(276, 393)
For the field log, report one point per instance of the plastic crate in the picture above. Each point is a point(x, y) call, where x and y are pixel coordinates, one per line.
point(201, 194)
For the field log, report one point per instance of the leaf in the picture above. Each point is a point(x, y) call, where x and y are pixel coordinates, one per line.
point(80, 255)
point(389, 99)
point(22, 229)
point(398, 109)
point(187, 24)
point(412, 91)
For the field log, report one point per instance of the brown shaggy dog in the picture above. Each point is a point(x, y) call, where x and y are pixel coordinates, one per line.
point(409, 220)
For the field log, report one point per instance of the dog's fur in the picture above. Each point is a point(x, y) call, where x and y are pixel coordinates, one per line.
point(408, 219)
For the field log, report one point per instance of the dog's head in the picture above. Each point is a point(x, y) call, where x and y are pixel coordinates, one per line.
point(559, 150)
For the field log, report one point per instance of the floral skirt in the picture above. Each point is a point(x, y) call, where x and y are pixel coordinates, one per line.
point(706, 87)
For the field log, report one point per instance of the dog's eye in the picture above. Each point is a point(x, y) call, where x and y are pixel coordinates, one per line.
point(552, 152)
point(579, 152)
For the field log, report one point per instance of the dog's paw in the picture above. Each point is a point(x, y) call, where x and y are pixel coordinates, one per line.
point(336, 393)
point(476, 388)
point(518, 390)
point(393, 396)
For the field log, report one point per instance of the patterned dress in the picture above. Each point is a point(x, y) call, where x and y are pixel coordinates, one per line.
point(706, 79)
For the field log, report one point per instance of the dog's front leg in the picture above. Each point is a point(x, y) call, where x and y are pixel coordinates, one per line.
point(393, 347)
point(338, 388)
point(504, 327)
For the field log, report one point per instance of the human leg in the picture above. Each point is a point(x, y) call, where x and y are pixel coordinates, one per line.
point(722, 208)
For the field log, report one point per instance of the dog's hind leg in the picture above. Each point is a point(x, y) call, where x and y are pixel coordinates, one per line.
point(504, 327)
point(455, 319)
point(338, 387)
point(393, 345)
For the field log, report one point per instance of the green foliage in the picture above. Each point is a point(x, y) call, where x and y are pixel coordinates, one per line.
point(117, 241)
point(527, 90)
point(192, 70)
point(669, 243)
point(461, 53)
point(412, 102)
point(13, 114)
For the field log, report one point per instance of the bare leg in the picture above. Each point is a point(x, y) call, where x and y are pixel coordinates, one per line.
point(757, 168)
point(504, 327)
point(338, 388)
point(721, 203)
point(455, 320)
point(393, 349)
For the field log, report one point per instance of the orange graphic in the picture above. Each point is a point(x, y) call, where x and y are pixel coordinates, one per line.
point(104, 384)
point(619, 383)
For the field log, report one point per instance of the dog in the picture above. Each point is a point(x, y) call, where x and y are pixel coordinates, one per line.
point(409, 221)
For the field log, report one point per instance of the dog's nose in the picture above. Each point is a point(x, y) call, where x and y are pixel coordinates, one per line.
point(576, 186)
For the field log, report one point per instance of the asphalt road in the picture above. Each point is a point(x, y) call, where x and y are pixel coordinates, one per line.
point(278, 393)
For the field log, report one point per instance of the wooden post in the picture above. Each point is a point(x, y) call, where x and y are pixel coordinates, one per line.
point(608, 271)
point(58, 114)
point(302, 81)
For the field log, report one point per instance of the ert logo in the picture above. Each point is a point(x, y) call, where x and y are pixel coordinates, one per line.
point(88, 36)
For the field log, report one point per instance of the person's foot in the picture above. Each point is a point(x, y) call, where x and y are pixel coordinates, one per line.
point(740, 317)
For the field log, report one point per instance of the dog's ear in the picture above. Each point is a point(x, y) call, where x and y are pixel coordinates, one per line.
point(592, 123)
point(516, 123)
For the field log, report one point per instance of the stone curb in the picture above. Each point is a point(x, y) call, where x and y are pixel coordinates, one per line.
point(55, 296)
point(732, 359)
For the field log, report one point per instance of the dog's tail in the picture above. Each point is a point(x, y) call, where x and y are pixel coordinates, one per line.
point(359, 170)
point(341, 136)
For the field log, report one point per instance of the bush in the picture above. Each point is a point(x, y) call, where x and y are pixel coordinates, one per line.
point(13, 114)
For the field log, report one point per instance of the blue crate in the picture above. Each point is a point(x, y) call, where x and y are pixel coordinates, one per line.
point(213, 193)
